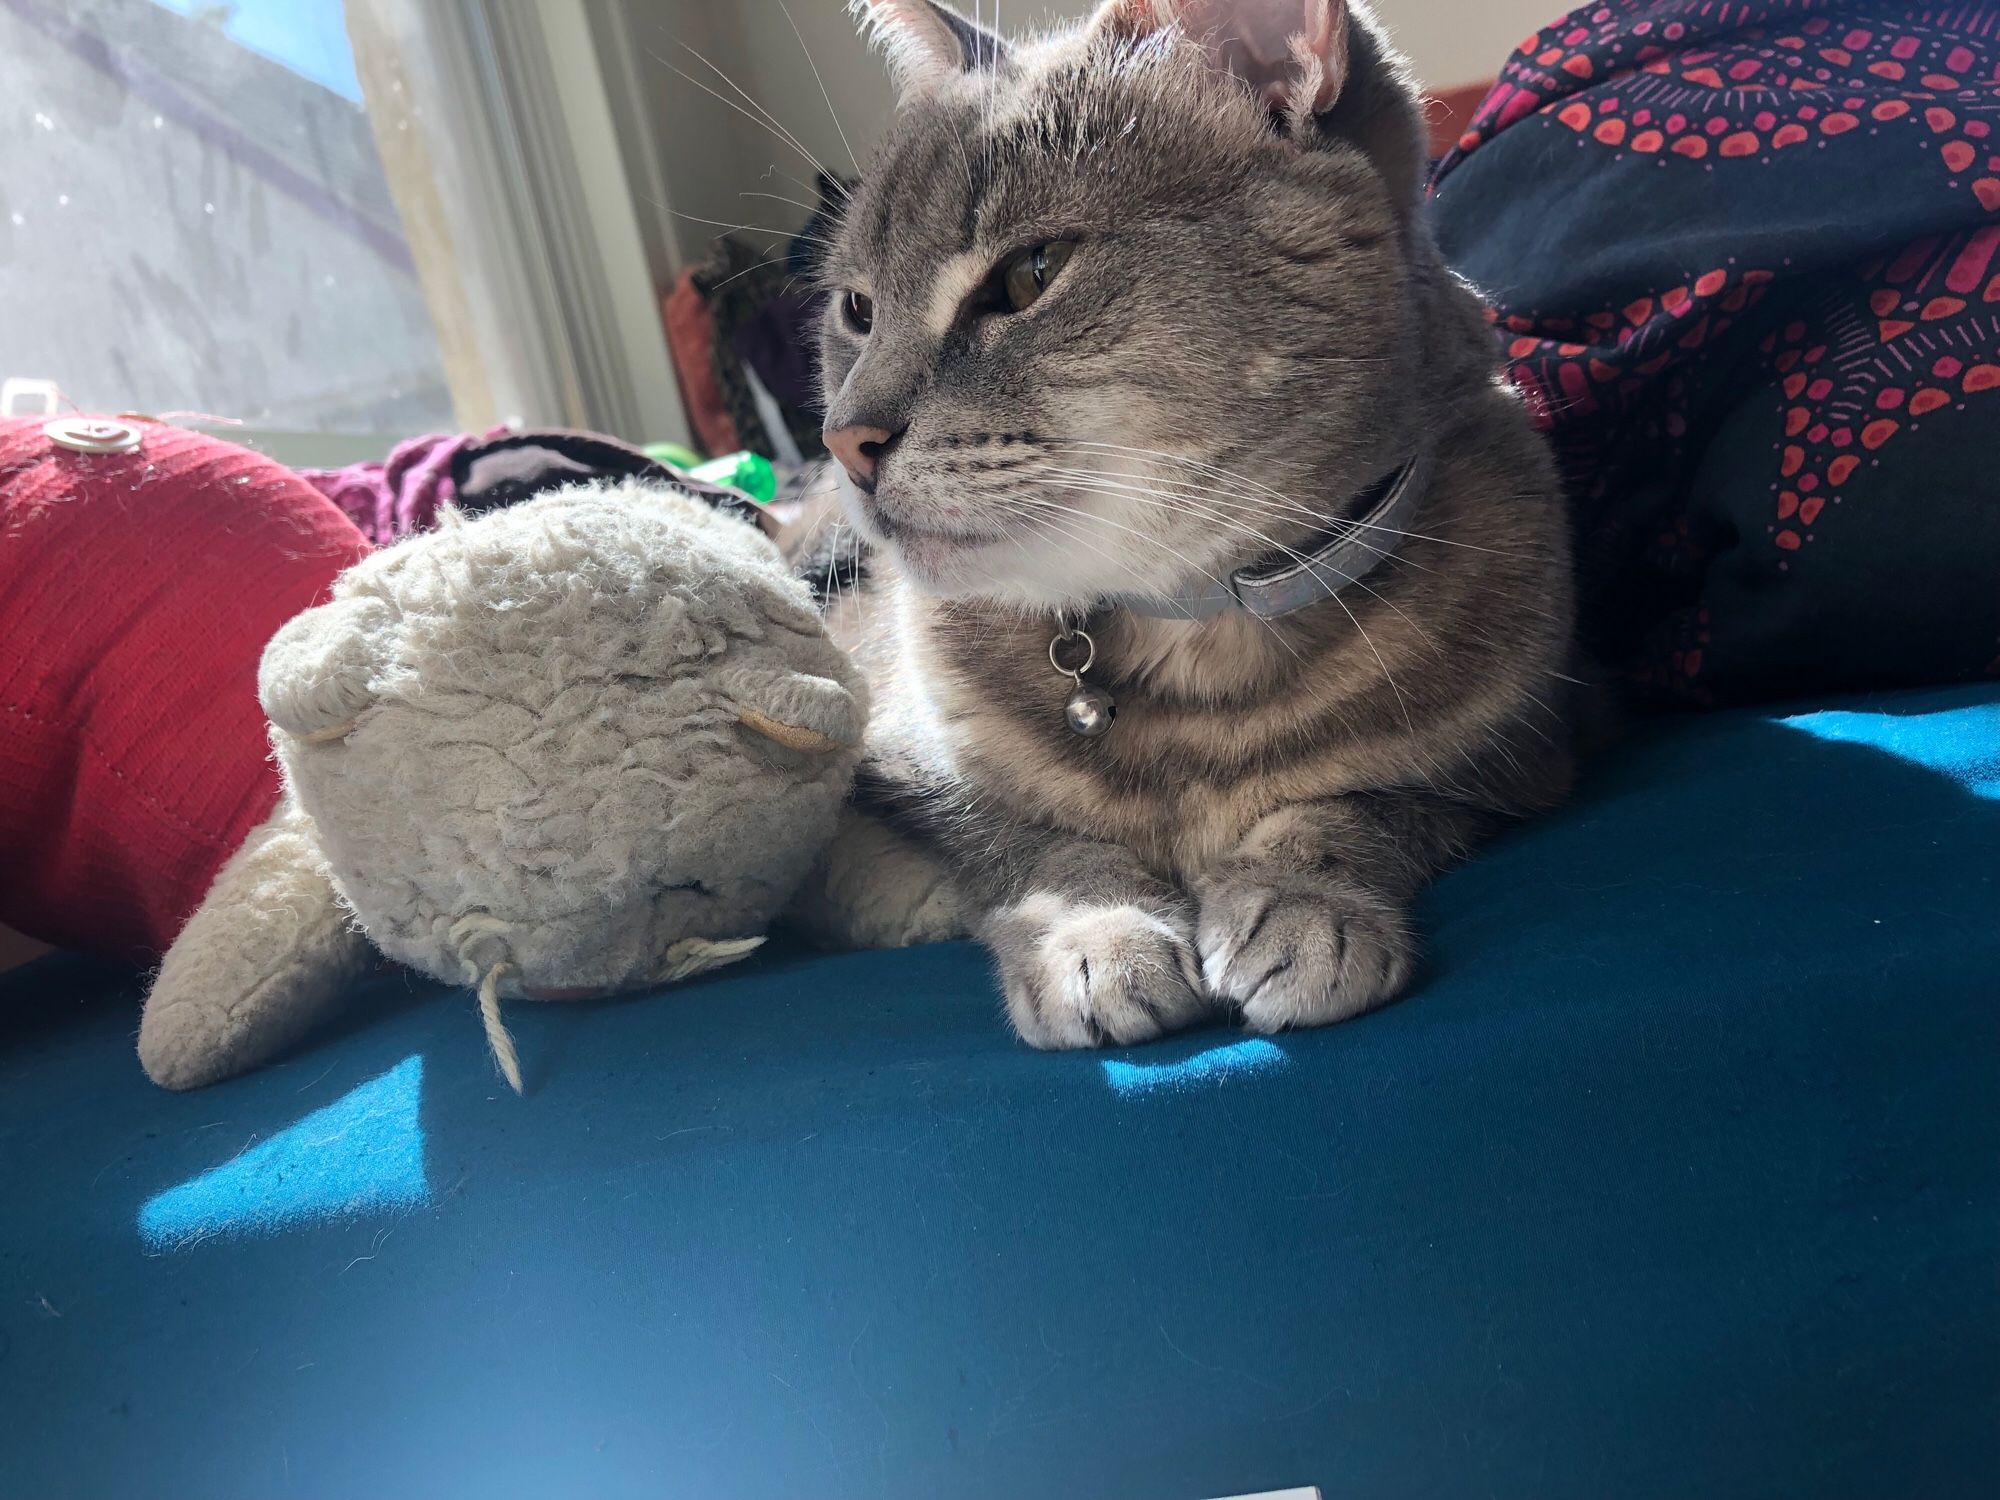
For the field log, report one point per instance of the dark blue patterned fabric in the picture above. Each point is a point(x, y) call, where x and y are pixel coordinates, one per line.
point(1744, 262)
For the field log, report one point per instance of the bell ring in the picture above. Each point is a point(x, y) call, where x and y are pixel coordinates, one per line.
point(1090, 710)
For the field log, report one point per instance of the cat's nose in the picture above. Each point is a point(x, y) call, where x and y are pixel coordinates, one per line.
point(860, 448)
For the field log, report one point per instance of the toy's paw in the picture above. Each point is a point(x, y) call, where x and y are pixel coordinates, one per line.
point(1299, 951)
point(265, 955)
point(189, 1047)
point(1092, 976)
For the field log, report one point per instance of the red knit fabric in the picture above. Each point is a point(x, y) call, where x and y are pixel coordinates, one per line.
point(691, 344)
point(137, 591)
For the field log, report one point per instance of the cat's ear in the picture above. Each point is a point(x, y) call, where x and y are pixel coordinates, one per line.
point(926, 43)
point(1293, 52)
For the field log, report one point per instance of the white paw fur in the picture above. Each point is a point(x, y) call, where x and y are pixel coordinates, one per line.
point(1089, 976)
point(1299, 951)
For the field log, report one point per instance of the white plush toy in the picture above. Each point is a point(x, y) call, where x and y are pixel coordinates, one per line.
point(586, 744)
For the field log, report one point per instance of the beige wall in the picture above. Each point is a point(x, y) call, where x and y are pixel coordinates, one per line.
point(710, 153)
point(1456, 42)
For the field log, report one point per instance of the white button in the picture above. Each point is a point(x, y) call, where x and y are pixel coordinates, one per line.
point(92, 434)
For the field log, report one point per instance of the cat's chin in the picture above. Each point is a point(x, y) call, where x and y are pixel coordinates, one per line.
point(939, 564)
point(986, 572)
point(1019, 573)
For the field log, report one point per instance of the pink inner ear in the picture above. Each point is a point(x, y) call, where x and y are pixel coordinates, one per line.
point(1290, 51)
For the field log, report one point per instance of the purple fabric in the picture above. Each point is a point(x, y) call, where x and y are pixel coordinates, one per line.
point(778, 344)
point(395, 497)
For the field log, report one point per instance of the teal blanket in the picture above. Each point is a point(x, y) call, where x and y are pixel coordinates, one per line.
point(1679, 1174)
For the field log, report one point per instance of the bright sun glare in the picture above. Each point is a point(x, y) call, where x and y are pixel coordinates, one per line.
point(364, 1153)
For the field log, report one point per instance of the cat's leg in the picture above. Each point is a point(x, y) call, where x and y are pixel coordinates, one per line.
point(877, 888)
point(1307, 921)
point(1093, 949)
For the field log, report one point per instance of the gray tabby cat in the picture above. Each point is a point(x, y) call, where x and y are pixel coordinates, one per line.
point(1118, 313)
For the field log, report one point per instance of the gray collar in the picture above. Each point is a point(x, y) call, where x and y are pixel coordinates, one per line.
point(1284, 583)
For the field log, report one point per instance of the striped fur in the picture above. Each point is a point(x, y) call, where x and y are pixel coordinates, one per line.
point(1253, 326)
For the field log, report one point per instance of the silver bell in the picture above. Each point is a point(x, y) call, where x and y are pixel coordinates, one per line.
point(1090, 711)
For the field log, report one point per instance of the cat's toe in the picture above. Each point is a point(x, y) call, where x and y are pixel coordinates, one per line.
point(1094, 976)
point(1300, 952)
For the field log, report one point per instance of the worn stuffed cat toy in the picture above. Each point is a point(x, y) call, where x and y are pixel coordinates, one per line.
point(1217, 591)
point(586, 744)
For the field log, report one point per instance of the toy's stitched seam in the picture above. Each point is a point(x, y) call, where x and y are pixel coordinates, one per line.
point(206, 837)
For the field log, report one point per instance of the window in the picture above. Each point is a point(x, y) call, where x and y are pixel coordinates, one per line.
point(194, 217)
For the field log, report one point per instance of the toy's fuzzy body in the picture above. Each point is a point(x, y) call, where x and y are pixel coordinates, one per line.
point(570, 747)
point(547, 732)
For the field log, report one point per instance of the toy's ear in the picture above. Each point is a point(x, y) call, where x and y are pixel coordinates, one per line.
point(266, 954)
point(798, 710)
point(320, 669)
point(692, 956)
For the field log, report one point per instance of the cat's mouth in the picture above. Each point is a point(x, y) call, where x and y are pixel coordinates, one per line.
point(933, 559)
point(927, 552)
point(904, 533)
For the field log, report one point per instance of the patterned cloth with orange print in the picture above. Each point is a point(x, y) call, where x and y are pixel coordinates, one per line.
point(1744, 264)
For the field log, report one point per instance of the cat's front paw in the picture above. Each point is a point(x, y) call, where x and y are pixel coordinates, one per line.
point(1298, 951)
point(1080, 975)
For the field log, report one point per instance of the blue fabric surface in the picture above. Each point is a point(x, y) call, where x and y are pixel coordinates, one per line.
point(1679, 1175)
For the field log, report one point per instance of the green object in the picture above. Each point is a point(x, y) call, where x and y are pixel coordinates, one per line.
point(673, 455)
point(749, 472)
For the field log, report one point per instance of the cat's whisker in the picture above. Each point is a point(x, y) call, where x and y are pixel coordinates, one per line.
point(769, 122)
point(1277, 497)
point(1182, 459)
point(1093, 518)
point(1271, 543)
point(1163, 489)
point(1138, 582)
point(1045, 505)
point(769, 258)
point(830, 590)
point(810, 208)
point(778, 127)
point(986, 102)
point(725, 224)
point(804, 187)
point(1206, 503)
point(964, 161)
point(1154, 541)
point(1388, 676)
point(1353, 619)
point(1239, 483)
point(832, 113)
point(1047, 521)
point(1359, 583)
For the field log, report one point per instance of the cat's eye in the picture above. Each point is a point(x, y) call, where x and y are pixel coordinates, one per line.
point(1028, 274)
point(858, 309)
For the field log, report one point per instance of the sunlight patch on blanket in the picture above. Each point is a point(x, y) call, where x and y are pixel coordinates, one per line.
point(1203, 1069)
point(1960, 743)
point(364, 1153)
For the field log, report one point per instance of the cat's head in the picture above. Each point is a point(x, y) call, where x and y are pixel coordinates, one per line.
point(1115, 309)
